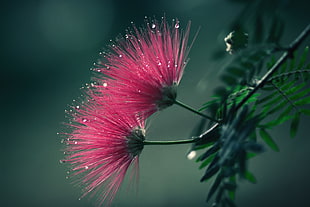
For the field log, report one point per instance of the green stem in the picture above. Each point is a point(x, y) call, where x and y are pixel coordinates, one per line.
point(186, 141)
point(177, 102)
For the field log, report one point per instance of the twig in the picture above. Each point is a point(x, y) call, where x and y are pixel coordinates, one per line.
point(287, 54)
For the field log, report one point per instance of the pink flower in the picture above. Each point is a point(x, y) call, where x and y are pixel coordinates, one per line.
point(145, 67)
point(102, 145)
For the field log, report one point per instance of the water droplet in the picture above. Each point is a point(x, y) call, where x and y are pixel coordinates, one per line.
point(75, 142)
point(120, 56)
point(153, 26)
point(67, 177)
point(86, 167)
point(159, 63)
point(77, 107)
point(84, 120)
point(126, 36)
point(62, 161)
point(105, 84)
point(191, 155)
point(177, 25)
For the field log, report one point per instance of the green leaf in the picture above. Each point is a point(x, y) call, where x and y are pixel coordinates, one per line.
point(232, 193)
point(283, 68)
point(211, 107)
point(294, 125)
point(285, 112)
point(215, 186)
point(267, 107)
point(300, 94)
point(206, 161)
point(268, 140)
point(210, 172)
point(252, 99)
point(202, 146)
point(294, 89)
point(250, 155)
point(267, 98)
point(250, 177)
point(277, 107)
point(277, 121)
point(229, 202)
point(273, 105)
point(303, 101)
point(305, 111)
point(271, 62)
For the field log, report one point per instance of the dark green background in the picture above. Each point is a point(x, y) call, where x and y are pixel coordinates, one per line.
point(47, 48)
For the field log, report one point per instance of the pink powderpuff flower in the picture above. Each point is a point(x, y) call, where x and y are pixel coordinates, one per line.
point(103, 144)
point(145, 67)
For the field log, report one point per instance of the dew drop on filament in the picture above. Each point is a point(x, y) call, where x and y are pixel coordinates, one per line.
point(84, 120)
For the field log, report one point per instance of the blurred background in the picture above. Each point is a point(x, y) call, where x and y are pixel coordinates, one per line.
point(47, 49)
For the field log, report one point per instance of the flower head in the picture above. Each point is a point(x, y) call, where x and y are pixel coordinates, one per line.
point(145, 67)
point(102, 145)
